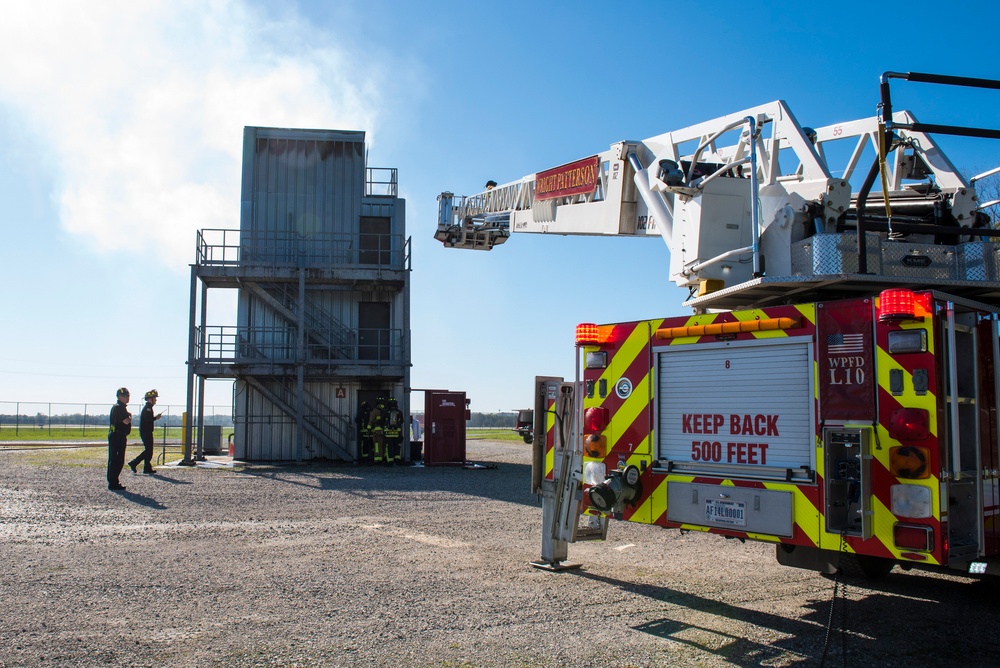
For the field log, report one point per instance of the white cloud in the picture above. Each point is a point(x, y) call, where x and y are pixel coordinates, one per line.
point(142, 106)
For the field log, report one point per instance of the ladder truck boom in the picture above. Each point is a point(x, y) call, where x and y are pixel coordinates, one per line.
point(735, 199)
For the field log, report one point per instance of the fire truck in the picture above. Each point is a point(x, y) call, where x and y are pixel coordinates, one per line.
point(834, 390)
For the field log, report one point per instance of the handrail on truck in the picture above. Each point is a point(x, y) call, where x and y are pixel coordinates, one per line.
point(885, 146)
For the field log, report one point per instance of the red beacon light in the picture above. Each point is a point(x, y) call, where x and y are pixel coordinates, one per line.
point(902, 304)
point(587, 333)
point(595, 419)
point(909, 424)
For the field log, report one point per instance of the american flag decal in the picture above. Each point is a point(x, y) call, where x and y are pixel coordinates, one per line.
point(838, 344)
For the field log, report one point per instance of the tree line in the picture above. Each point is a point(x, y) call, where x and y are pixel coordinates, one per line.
point(41, 420)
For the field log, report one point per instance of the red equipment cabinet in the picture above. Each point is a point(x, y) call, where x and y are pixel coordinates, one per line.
point(445, 414)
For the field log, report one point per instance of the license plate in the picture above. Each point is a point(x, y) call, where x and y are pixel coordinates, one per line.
point(723, 511)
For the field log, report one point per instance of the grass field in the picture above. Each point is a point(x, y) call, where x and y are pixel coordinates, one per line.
point(77, 433)
point(492, 434)
point(88, 456)
point(172, 435)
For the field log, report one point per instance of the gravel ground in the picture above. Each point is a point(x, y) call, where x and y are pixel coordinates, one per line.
point(352, 566)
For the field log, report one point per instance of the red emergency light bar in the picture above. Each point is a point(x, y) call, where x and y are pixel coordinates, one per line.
point(903, 304)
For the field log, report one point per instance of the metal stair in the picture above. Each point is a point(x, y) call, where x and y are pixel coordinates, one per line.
point(325, 335)
point(329, 434)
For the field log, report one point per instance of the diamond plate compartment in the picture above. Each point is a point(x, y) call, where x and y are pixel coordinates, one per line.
point(825, 254)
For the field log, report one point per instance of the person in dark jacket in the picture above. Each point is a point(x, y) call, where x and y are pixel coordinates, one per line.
point(121, 426)
point(146, 420)
point(393, 434)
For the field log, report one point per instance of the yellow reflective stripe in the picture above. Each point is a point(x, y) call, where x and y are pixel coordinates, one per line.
point(625, 355)
point(655, 504)
point(804, 513)
point(909, 399)
point(550, 452)
point(638, 401)
point(808, 312)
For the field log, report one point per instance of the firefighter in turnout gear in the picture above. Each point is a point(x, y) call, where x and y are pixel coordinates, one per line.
point(364, 432)
point(376, 423)
point(393, 433)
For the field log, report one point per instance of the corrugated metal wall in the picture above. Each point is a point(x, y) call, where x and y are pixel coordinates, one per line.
point(302, 181)
point(264, 433)
point(303, 194)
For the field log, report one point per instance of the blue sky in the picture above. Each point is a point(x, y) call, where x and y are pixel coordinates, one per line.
point(121, 132)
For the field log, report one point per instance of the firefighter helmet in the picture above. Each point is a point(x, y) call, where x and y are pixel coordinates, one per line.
point(152, 394)
point(122, 392)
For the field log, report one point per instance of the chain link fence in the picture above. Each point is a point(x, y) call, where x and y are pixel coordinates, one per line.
point(32, 420)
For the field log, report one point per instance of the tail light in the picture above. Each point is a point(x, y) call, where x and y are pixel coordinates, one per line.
point(909, 424)
point(595, 419)
point(913, 537)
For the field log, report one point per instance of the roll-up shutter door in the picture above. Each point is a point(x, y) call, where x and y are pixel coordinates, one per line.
point(741, 403)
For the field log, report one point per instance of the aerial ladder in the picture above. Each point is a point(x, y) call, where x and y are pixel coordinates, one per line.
point(756, 211)
point(695, 188)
